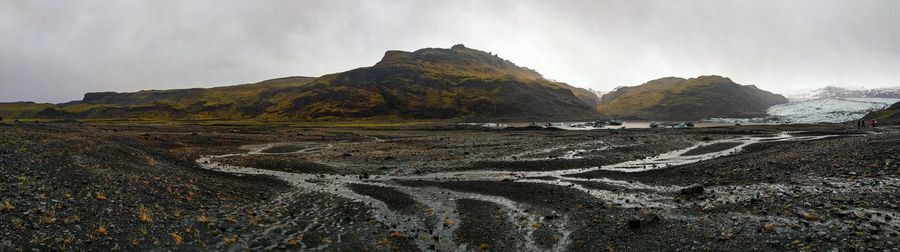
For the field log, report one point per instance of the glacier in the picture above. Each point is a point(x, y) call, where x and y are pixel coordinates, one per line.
point(828, 110)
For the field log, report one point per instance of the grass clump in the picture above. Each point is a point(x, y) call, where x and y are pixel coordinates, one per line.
point(229, 240)
point(102, 230)
point(6, 206)
point(177, 238)
point(202, 218)
point(71, 219)
point(144, 215)
point(48, 219)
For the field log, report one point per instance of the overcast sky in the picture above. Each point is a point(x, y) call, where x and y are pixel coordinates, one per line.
point(55, 51)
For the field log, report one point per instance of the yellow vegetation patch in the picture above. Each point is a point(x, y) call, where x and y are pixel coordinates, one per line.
point(17, 224)
point(48, 219)
point(177, 238)
point(100, 196)
point(71, 219)
point(66, 241)
point(144, 215)
point(102, 230)
point(6, 206)
point(202, 218)
point(229, 240)
point(769, 227)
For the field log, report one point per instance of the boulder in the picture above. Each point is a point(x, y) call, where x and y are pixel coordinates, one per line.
point(692, 190)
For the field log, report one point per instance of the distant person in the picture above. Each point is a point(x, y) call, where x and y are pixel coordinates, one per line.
point(874, 123)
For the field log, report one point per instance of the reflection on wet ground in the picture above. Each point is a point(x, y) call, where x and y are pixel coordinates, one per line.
point(418, 202)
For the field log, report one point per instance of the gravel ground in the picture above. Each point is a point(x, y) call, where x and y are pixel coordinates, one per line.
point(140, 187)
point(84, 187)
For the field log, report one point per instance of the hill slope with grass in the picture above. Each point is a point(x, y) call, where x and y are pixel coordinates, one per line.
point(675, 98)
point(12, 110)
point(889, 115)
point(430, 83)
point(220, 103)
point(437, 83)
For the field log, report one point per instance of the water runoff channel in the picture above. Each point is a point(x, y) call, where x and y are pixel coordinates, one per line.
point(443, 201)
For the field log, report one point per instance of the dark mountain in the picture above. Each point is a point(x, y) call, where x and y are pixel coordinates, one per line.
point(437, 83)
point(431, 83)
point(890, 115)
point(675, 98)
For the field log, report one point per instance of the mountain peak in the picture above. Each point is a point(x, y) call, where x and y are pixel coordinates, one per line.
point(459, 61)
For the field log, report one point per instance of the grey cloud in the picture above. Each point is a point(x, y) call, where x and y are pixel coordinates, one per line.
point(57, 50)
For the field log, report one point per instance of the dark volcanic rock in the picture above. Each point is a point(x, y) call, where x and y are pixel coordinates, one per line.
point(692, 190)
point(634, 222)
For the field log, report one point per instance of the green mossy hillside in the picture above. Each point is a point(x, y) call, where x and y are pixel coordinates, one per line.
point(675, 98)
